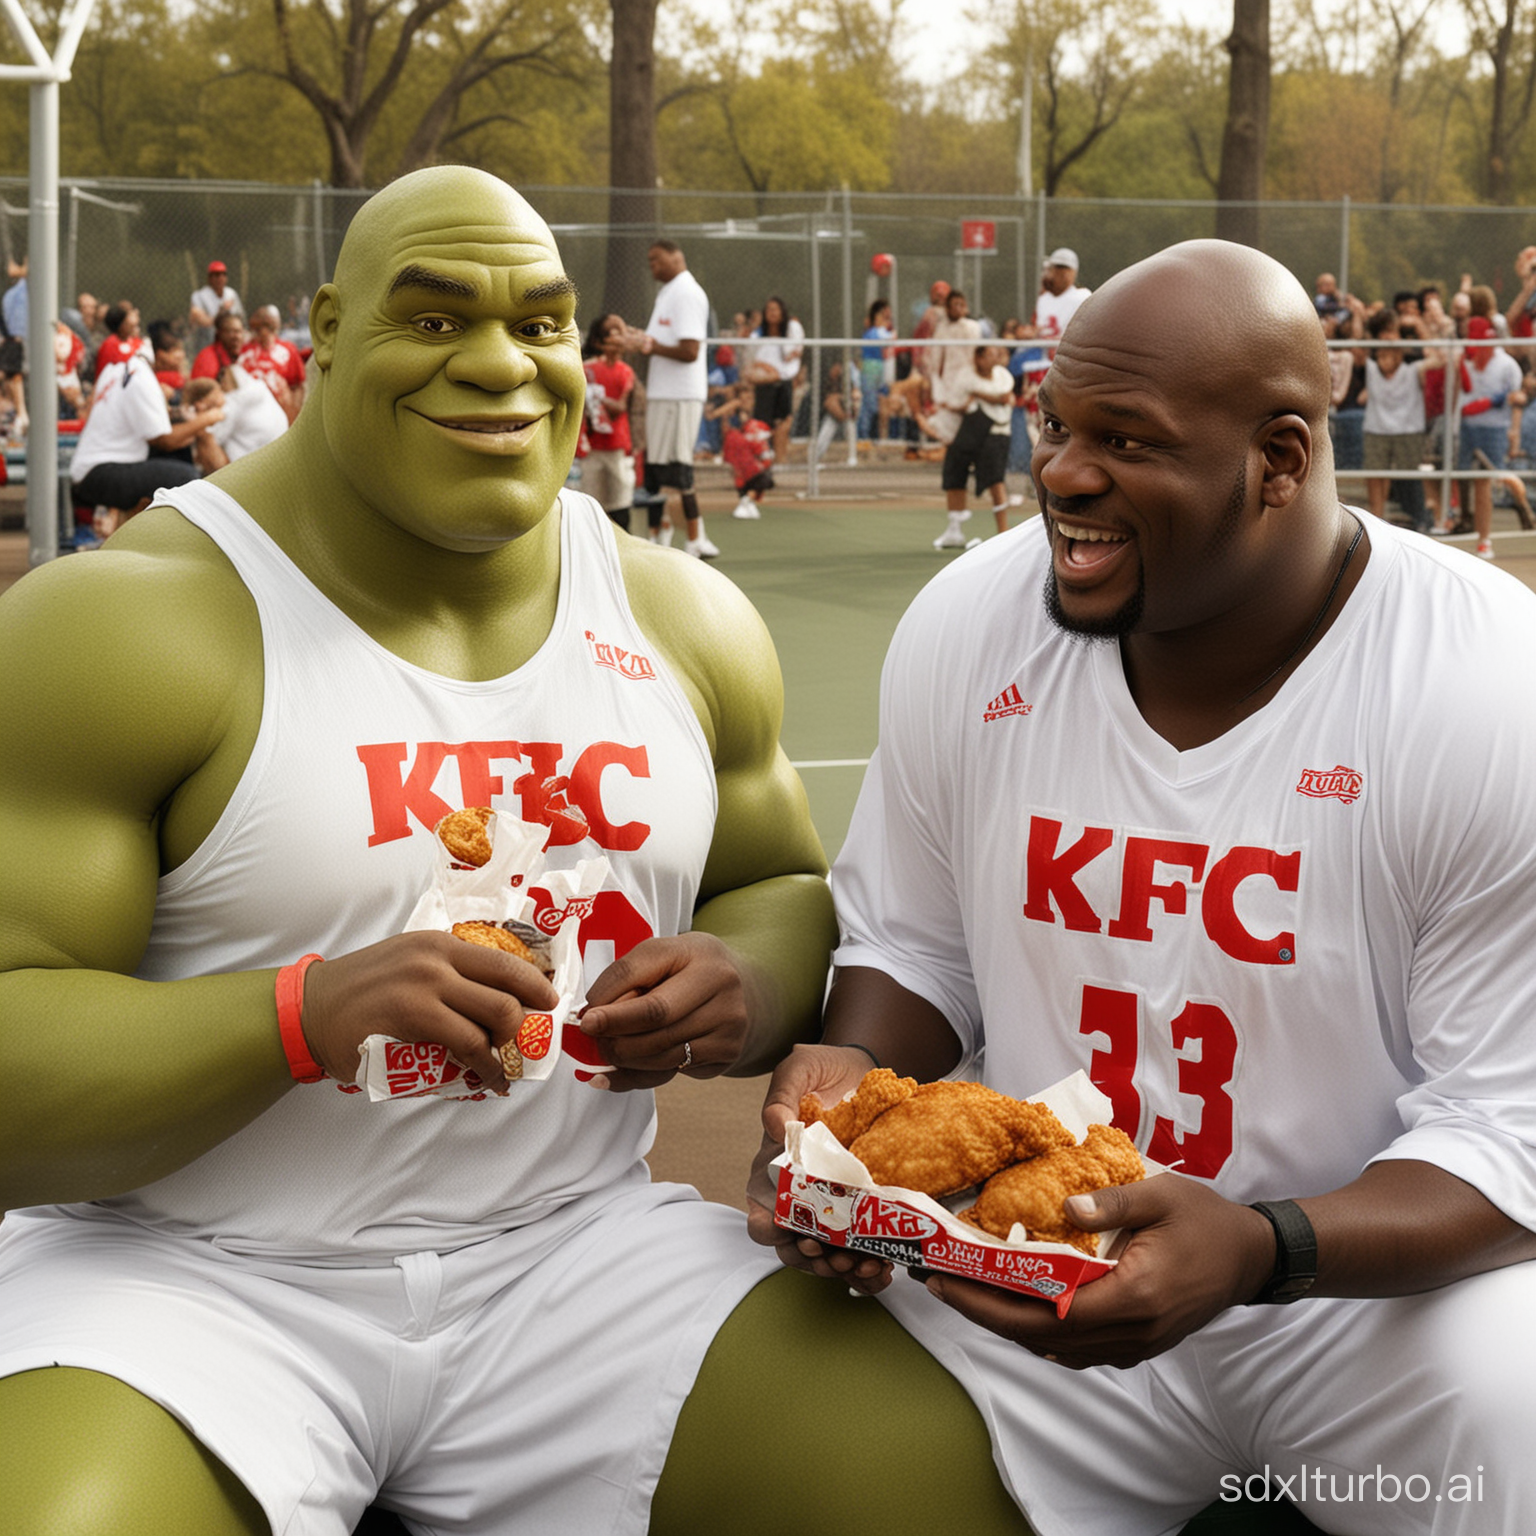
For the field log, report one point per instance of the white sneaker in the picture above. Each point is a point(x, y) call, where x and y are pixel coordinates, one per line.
point(951, 538)
point(1485, 550)
point(662, 536)
point(701, 549)
point(747, 509)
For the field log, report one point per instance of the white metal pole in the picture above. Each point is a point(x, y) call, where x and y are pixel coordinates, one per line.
point(43, 305)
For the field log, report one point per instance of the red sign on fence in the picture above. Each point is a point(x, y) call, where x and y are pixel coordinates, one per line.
point(978, 235)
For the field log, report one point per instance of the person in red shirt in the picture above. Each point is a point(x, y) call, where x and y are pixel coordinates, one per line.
point(274, 361)
point(607, 452)
point(224, 352)
point(123, 338)
point(748, 449)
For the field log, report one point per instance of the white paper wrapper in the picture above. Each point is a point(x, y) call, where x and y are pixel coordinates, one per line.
point(497, 892)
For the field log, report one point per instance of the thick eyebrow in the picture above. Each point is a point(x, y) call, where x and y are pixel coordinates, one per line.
point(433, 282)
point(1108, 407)
point(555, 288)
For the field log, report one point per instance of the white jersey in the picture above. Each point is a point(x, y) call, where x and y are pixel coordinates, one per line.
point(128, 412)
point(326, 845)
point(681, 313)
point(1305, 944)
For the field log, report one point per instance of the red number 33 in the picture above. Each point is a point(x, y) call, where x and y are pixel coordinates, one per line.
point(1203, 1076)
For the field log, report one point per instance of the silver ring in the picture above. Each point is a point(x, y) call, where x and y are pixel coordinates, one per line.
point(687, 1054)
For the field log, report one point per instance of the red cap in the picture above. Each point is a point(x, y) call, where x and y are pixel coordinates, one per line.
point(217, 266)
point(1479, 328)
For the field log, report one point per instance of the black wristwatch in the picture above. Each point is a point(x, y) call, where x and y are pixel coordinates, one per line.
point(1295, 1253)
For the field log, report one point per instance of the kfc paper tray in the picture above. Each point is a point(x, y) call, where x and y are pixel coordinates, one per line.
point(825, 1192)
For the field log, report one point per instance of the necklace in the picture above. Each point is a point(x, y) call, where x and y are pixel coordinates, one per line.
point(1301, 645)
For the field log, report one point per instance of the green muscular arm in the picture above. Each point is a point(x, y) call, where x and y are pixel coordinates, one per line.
point(112, 692)
point(131, 694)
point(747, 982)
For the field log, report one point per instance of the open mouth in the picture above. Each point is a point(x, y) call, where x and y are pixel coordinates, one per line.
point(490, 434)
point(1082, 549)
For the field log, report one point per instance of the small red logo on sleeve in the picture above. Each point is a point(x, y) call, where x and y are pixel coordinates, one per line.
point(1336, 783)
point(1009, 702)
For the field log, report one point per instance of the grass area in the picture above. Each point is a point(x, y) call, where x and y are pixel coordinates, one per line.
point(830, 583)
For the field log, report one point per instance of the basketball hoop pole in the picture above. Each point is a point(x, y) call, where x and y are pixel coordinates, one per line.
point(44, 76)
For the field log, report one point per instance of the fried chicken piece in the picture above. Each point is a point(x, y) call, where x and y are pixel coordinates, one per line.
point(879, 1090)
point(945, 1137)
point(494, 936)
point(1033, 1192)
point(466, 834)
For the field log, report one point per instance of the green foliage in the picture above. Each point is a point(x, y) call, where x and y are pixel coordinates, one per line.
point(1127, 102)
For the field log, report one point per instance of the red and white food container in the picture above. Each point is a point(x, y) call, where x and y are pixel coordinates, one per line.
point(544, 907)
point(825, 1192)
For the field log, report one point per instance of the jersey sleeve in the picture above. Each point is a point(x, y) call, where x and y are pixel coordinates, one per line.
point(1469, 858)
point(893, 882)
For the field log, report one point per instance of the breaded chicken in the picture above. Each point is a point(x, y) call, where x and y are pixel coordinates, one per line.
point(879, 1090)
point(1033, 1192)
point(466, 835)
point(945, 1137)
point(494, 936)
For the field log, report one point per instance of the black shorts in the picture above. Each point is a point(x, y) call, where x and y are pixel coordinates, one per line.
point(13, 356)
point(658, 476)
point(976, 448)
point(775, 402)
point(761, 481)
point(124, 486)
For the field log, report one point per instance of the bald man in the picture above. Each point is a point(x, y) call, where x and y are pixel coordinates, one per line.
point(1173, 790)
point(231, 1301)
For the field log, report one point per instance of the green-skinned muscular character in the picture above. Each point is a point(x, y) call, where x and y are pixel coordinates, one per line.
point(230, 1302)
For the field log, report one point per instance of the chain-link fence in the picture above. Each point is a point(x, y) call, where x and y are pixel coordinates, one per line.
point(151, 241)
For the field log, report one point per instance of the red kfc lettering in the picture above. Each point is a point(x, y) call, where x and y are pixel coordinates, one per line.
point(395, 799)
point(1137, 887)
point(479, 784)
point(587, 792)
point(533, 788)
point(1049, 875)
point(1219, 912)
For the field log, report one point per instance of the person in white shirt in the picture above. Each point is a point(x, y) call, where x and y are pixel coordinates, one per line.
point(979, 448)
point(213, 299)
point(252, 416)
point(1060, 298)
point(1208, 787)
point(675, 390)
point(122, 456)
point(774, 367)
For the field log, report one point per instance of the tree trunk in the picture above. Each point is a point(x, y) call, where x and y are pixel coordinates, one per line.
point(633, 207)
point(1244, 141)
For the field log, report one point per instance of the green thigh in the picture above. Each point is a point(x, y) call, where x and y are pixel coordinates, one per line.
point(816, 1404)
point(81, 1454)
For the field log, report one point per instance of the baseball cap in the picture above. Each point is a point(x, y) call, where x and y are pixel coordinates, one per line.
point(1479, 327)
point(1062, 256)
point(217, 266)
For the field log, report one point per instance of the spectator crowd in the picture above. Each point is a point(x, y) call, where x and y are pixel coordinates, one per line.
point(1417, 376)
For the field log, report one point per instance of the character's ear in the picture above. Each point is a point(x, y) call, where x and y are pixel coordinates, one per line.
point(324, 317)
point(1286, 444)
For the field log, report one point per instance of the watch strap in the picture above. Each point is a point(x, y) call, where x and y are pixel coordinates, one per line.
point(1295, 1253)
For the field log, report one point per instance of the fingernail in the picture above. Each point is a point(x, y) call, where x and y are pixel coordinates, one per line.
point(1082, 1207)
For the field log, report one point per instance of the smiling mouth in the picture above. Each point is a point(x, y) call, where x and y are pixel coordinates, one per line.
point(1081, 548)
point(495, 434)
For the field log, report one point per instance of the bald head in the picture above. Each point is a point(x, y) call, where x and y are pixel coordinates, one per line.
point(1223, 324)
point(454, 205)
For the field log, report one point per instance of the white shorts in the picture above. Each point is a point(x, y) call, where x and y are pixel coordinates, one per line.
point(608, 476)
point(530, 1383)
point(671, 430)
point(1378, 1418)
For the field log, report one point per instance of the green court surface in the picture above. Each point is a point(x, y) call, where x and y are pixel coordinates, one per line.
point(830, 582)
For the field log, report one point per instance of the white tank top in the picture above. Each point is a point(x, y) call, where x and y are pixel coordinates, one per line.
point(326, 844)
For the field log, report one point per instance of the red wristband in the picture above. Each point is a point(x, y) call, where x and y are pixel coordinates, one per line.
point(290, 1021)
